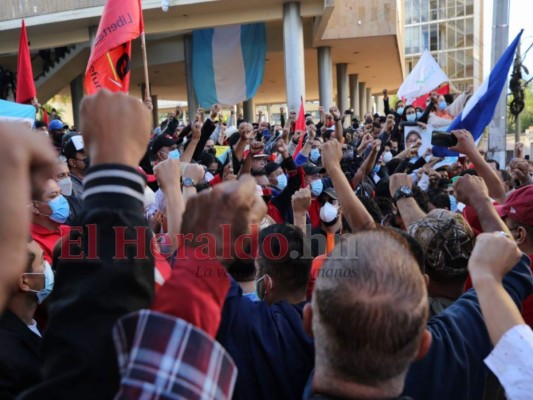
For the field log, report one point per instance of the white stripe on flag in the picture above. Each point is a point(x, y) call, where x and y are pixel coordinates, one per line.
point(228, 64)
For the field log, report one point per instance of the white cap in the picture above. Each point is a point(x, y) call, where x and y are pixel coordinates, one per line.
point(328, 212)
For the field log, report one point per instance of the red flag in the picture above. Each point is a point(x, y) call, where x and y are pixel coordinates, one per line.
point(421, 101)
point(25, 84)
point(45, 117)
point(110, 61)
point(300, 126)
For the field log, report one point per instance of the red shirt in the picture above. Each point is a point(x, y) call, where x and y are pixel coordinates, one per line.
point(314, 213)
point(527, 304)
point(46, 238)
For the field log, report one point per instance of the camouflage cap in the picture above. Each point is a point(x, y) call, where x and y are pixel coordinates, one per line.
point(447, 239)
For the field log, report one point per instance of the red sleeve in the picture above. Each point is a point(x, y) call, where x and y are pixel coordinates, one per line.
point(195, 291)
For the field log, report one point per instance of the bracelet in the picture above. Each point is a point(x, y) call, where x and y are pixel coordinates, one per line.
point(336, 119)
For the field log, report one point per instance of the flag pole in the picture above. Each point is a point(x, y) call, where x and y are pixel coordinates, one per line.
point(145, 65)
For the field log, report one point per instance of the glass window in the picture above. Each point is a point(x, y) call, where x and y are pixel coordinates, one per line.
point(443, 9)
point(450, 10)
point(450, 34)
point(460, 33)
point(416, 11)
point(469, 7)
point(408, 12)
point(460, 9)
point(416, 40)
point(451, 65)
point(469, 32)
point(424, 11)
point(408, 41)
point(460, 65)
point(425, 37)
point(469, 63)
point(433, 37)
point(434, 9)
point(443, 43)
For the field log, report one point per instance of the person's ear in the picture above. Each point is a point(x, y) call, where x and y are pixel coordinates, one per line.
point(35, 209)
point(23, 283)
point(308, 319)
point(425, 344)
point(521, 235)
point(269, 284)
point(426, 279)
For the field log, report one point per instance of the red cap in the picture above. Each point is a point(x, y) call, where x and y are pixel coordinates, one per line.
point(519, 206)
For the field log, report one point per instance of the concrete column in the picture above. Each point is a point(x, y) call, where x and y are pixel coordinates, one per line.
point(325, 77)
point(342, 87)
point(369, 100)
point(249, 110)
point(362, 99)
point(293, 46)
point(239, 111)
point(269, 113)
point(354, 94)
point(76, 92)
point(192, 100)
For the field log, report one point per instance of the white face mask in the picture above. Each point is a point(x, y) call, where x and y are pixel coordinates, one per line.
point(65, 185)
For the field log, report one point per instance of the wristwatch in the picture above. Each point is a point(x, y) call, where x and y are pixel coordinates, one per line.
point(188, 182)
point(403, 192)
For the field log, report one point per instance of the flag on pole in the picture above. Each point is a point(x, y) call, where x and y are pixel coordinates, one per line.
point(228, 63)
point(300, 126)
point(421, 101)
point(425, 76)
point(110, 61)
point(479, 109)
point(25, 84)
point(17, 112)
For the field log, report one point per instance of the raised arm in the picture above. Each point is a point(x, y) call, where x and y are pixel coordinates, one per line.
point(301, 201)
point(467, 146)
point(354, 211)
point(408, 207)
point(168, 176)
point(193, 144)
point(337, 117)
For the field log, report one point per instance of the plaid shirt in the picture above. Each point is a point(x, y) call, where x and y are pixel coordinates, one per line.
point(163, 357)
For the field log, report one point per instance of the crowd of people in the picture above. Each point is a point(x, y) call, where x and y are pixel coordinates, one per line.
point(223, 258)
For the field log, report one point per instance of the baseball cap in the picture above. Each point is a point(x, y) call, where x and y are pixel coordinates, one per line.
point(448, 240)
point(519, 206)
point(230, 131)
point(161, 141)
point(73, 145)
point(261, 155)
point(312, 169)
point(331, 192)
point(56, 124)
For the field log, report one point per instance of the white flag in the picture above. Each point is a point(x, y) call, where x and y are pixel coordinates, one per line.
point(425, 76)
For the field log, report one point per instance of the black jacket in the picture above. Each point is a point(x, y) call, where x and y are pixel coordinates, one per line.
point(19, 356)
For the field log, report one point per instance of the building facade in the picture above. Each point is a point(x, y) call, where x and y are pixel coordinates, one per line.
point(453, 31)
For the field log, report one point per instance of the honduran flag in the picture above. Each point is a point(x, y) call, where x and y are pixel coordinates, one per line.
point(228, 63)
point(17, 112)
point(479, 109)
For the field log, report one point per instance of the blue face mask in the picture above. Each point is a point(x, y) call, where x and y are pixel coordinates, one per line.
point(316, 187)
point(453, 203)
point(266, 134)
point(314, 155)
point(376, 169)
point(48, 282)
point(443, 105)
point(174, 155)
point(60, 209)
point(419, 114)
point(400, 110)
point(282, 181)
point(411, 117)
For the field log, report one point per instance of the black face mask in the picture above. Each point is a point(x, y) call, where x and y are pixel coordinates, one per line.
point(355, 125)
point(212, 151)
point(87, 162)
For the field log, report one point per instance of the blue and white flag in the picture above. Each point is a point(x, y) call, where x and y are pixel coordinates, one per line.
point(228, 63)
point(17, 112)
point(479, 109)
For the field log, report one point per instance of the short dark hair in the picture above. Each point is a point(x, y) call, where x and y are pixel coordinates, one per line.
point(370, 308)
point(258, 172)
point(469, 171)
point(242, 269)
point(285, 255)
point(372, 208)
point(439, 198)
point(421, 198)
point(491, 160)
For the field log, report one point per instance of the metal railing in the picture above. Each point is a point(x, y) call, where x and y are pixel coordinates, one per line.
point(15, 9)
